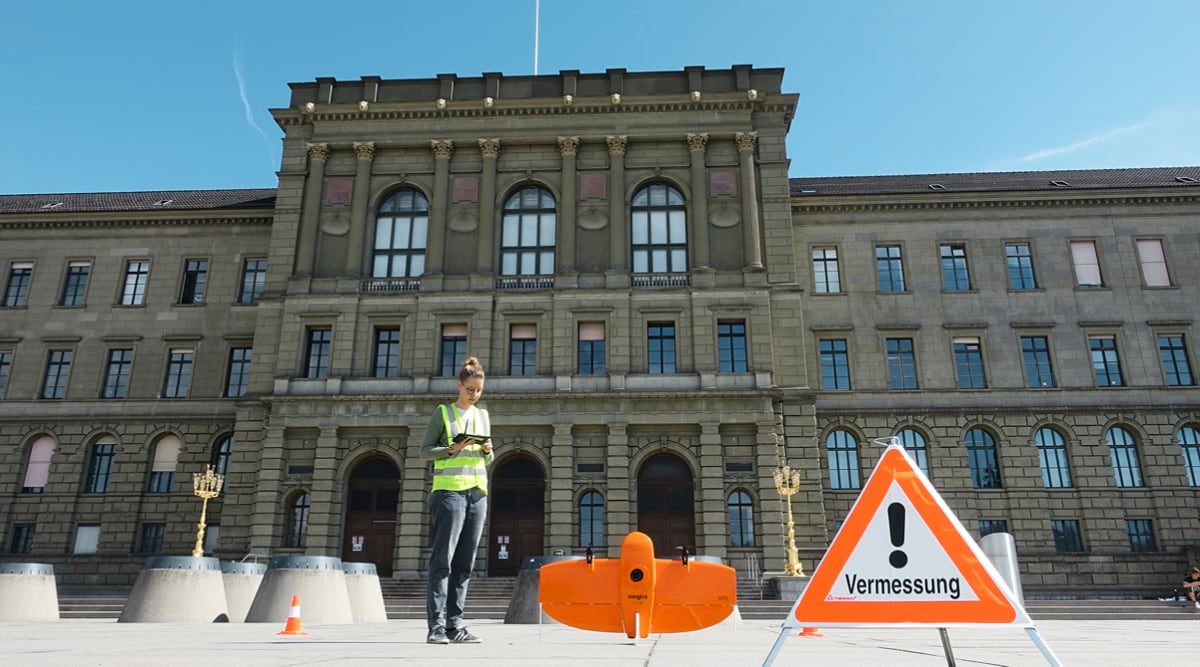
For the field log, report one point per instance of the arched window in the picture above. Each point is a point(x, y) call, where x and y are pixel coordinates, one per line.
point(37, 472)
point(843, 460)
point(297, 533)
point(1189, 442)
point(100, 465)
point(166, 457)
point(741, 519)
point(221, 454)
point(659, 232)
point(591, 519)
point(527, 234)
point(914, 444)
point(985, 464)
point(1052, 454)
point(401, 225)
point(1122, 449)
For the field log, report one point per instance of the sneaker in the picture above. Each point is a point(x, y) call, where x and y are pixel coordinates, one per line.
point(462, 636)
point(437, 636)
point(1198, 605)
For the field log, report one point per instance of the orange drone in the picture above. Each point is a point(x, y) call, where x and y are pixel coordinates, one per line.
point(638, 592)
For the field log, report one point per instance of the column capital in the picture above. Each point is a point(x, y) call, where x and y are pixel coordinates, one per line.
point(318, 152)
point(568, 146)
point(746, 140)
point(442, 148)
point(364, 150)
point(697, 142)
point(489, 147)
point(617, 144)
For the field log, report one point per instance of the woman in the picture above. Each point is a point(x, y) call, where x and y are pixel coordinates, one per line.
point(458, 441)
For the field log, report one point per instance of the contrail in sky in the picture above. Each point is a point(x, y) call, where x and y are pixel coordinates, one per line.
point(1070, 148)
point(237, 71)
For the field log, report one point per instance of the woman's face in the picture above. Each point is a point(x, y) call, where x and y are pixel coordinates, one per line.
point(470, 391)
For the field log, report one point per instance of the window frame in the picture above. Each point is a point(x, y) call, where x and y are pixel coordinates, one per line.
point(524, 227)
point(237, 371)
point(151, 538)
point(1068, 535)
point(1053, 458)
point(834, 359)
point(1037, 362)
point(841, 451)
point(891, 267)
point(956, 271)
point(901, 363)
point(75, 284)
point(1188, 439)
point(385, 352)
point(194, 282)
point(299, 508)
point(1085, 261)
point(1018, 257)
point(117, 373)
point(16, 290)
point(590, 348)
point(658, 251)
point(135, 283)
point(522, 350)
point(1176, 362)
point(253, 280)
point(453, 349)
point(58, 374)
point(411, 207)
point(827, 277)
point(177, 381)
point(732, 351)
point(101, 461)
point(661, 347)
point(1105, 356)
point(1152, 263)
point(591, 518)
point(968, 358)
point(318, 348)
point(1123, 455)
point(983, 458)
point(739, 505)
point(1141, 535)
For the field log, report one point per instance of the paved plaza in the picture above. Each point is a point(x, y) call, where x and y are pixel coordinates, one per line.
point(106, 642)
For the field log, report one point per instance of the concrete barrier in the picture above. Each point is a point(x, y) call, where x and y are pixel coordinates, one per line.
point(241, 582)
point(1001, 549)
point(28, 592)
point(523, 607)
point(366, 595)
point(177, 589)
point(318, 580)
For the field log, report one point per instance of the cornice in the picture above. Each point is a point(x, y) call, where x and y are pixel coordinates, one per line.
point(1026, 202)
point(93, 223)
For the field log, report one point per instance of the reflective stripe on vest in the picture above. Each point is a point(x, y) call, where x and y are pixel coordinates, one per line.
point(468, 468)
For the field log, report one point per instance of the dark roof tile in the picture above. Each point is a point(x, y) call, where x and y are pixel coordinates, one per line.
point(1011, 181)
point(156, 200)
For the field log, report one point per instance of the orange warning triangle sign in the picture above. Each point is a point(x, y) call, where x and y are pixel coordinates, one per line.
point(902, 558)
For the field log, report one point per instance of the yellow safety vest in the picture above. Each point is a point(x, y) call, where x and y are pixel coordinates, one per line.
point(468, 468)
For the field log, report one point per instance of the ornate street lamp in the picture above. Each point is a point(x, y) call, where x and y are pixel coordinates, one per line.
point(207, 486)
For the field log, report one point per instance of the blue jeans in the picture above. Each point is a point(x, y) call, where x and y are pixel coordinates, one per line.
point(457, 523)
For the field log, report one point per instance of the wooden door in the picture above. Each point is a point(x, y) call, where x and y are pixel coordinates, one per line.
point(517, 499)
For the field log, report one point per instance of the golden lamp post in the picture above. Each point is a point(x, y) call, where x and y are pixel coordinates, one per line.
point(207, 486)
point(787, 483)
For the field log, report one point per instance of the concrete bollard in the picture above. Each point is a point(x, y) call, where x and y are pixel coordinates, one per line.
point(241, 582)
point(28, 592)
point(366, 595)
point(318, 580)
point(1001, 549)
point(523, 607)
point(177, 589)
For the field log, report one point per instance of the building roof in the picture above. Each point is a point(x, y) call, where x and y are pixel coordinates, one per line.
point(1011, 181)
point(157, 200)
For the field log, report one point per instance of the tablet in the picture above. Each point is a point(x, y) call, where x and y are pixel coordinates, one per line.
point(477, 439)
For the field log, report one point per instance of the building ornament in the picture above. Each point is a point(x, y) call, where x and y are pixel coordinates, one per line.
point(568, 146)
point(697, 142)
point(318, 152)
point(745, 140)
point(617, 144)
point(442, 148)
point(489, 147)
point(364, 150)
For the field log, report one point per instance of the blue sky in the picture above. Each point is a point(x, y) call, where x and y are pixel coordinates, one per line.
point(141, 95)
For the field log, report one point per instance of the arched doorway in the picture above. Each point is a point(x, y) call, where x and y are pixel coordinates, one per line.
point(666, 507)
point(517, 496)
point(371, 499)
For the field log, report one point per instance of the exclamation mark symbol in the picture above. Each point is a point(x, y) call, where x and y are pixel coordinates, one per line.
point(896, 527)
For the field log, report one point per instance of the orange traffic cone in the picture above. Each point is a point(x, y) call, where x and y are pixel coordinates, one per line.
point(811, 632)
point(293, 622)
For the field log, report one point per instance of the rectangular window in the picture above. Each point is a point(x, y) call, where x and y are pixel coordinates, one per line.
point(454, 349)
point(161, 481)
point(1105, 362)
point(195, 277)
point(660, 347)
point(826, 277)
point(316, 353)
point(17, 292)
point(901, 363)
point(889, 266)
point(75, 285)
point(591, 348)
point(1153, 263)
point(100, 467)
point(254, 280)
point(58, 369)
point(22, 538)
point(179, 373)
point(731, 347)
point(835, 363)
point(1176, 367)
point(151, 541)
point(116, 374)
point(1141, 535)
point(1067, 537)
point(955, 277)
point(1020, 266)
point(1086, 263)
point(989, 526)
point(386, 358)
point(6, 360)
point(522, 349)
point(1035, 352)
point(87, 539)
point(968, 363)
point(237, 378)
point(137, 274)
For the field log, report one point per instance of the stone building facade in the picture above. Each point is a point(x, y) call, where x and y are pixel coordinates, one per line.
point(664, 316)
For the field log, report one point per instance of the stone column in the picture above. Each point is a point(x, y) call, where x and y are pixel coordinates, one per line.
point(698, 230)
point(324, 528)
point(746, 142)
point(618, 513)
point(711, 514)
point(562, 487)
point(267, 487)
point(310, 219)
point(435, 245)
point(568, 147)
point(365, 152)
point(618, 250)
point(490, 150)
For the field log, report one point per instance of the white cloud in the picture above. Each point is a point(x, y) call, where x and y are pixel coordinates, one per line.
point(1085, 143)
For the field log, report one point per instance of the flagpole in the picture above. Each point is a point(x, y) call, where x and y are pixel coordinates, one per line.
point(537, 11)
